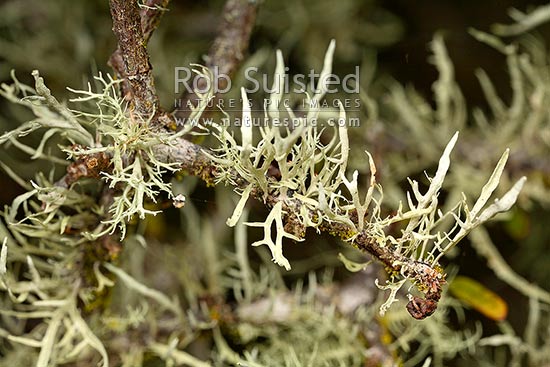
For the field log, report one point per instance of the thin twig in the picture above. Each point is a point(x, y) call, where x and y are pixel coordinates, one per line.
point(151, 13)
point(229, 48)
point(91, 165)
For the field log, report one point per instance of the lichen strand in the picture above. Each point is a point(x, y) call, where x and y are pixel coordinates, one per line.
point(315, 184)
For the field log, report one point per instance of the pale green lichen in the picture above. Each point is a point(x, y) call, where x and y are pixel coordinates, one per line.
point(100, 122)
point(314, 174)
point(51, 224)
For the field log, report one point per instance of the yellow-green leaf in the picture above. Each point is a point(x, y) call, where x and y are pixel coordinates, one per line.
point(480, 298)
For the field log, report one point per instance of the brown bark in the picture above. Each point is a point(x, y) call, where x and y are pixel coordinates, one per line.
point(228, 49)
point(131, 60)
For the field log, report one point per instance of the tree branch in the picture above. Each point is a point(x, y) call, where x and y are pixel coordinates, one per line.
point(133, 30)
point(150, 15)
point(228, 50)
point(196, 161)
